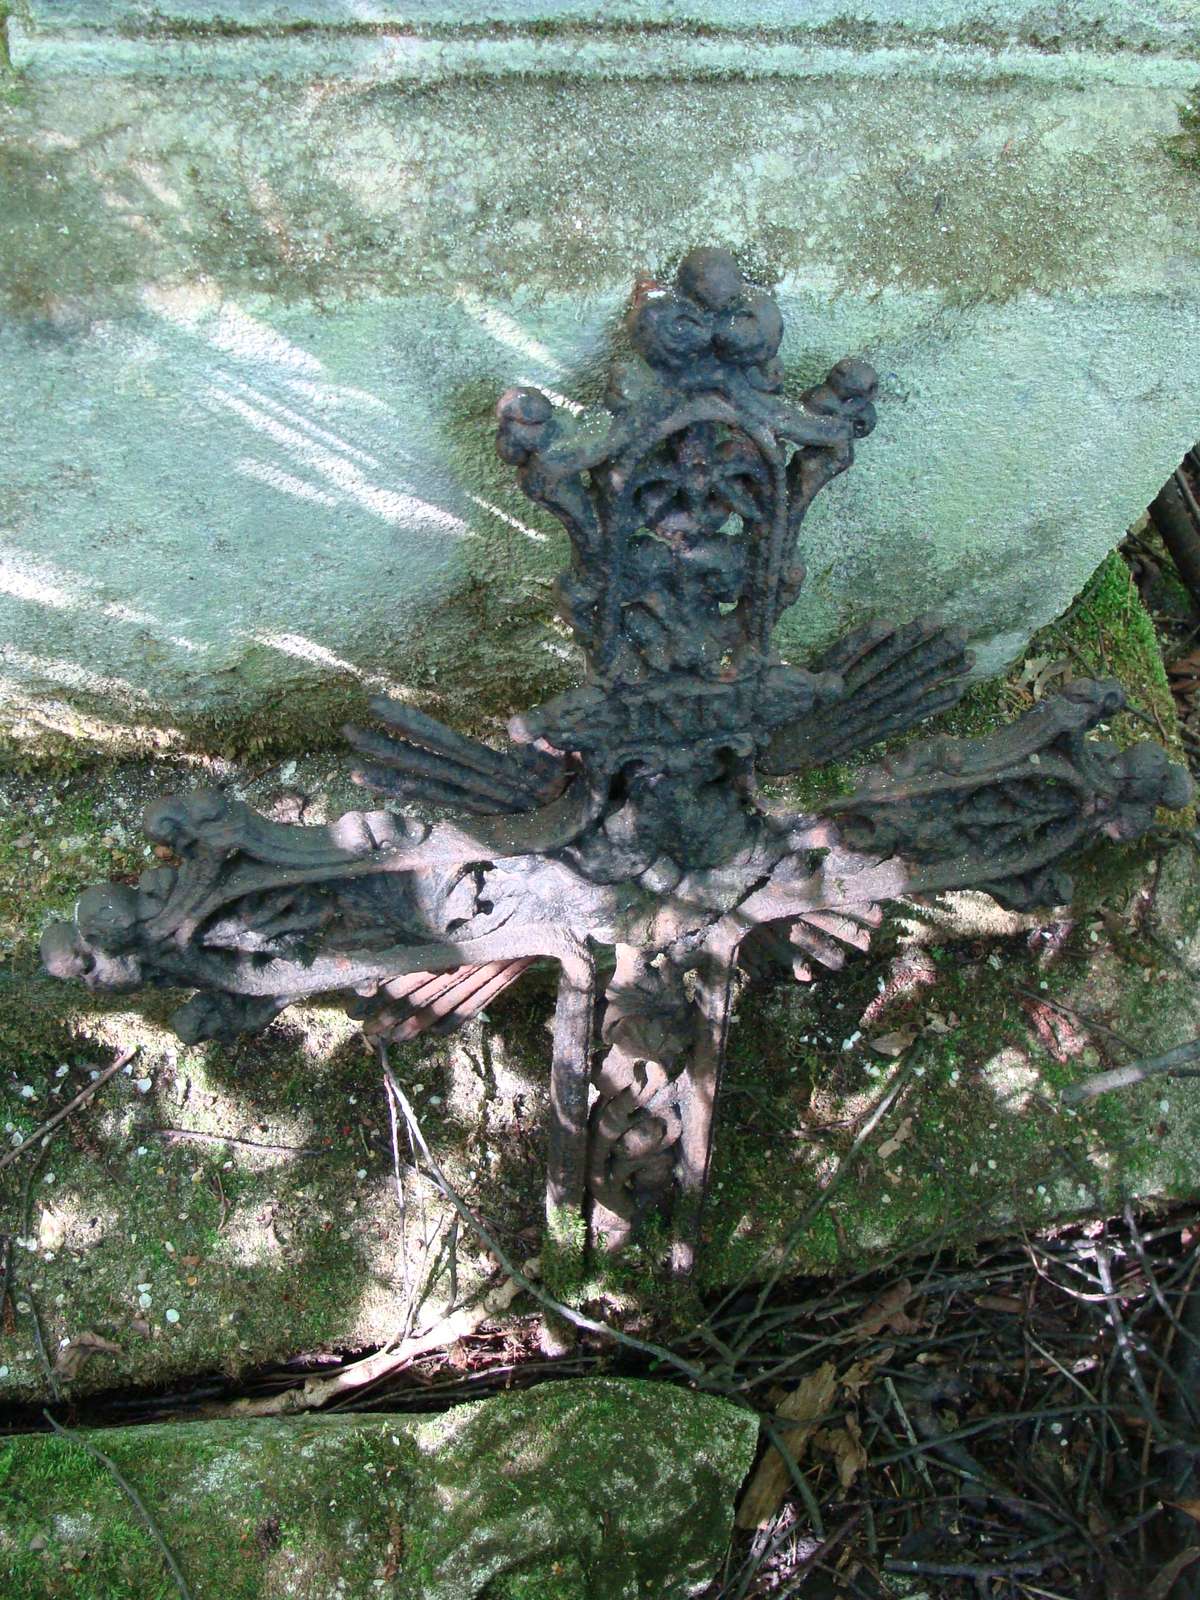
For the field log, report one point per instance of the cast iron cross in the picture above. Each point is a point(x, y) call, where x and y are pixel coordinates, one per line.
point(621, 831)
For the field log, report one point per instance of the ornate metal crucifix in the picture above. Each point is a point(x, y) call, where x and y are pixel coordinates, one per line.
point(621, 832)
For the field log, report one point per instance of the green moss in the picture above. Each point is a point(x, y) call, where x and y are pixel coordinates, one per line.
point(1185, 146)
point(286, 1508)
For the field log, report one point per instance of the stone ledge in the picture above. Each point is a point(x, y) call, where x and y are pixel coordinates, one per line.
point(519, 1494)
point(411, 56)
point(1115, 23)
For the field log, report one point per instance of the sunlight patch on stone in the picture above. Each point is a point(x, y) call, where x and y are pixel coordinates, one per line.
point(507, 331)
point(237, 333)
point(1013, 1079)
point(392, 505)
point(247, 1240)
point(285, 482)
point(71, 675)
point(512, 522)
point(295, 645)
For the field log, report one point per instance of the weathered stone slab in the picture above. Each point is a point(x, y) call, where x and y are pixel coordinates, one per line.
point(261, 288)
point(596, 1489)
point(1129, 24)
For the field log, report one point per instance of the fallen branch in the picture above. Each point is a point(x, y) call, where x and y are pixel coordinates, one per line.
point(1173, 1064)
point(239, 1144)
point(316, 1392)
point(1176, 516)
point(34, 1138)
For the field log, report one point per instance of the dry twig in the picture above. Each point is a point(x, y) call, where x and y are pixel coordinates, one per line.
point(51, 1123)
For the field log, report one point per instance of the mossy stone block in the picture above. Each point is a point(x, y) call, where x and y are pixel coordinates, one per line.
point(594, 1489)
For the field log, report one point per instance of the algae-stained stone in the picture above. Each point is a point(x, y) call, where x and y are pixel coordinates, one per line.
point(265, 269)
point(595, 1489)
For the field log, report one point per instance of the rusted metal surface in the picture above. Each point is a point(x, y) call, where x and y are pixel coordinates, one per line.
point(624, 814)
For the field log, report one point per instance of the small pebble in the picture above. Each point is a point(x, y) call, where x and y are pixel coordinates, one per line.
point(27, 1091)
point(171, 1316)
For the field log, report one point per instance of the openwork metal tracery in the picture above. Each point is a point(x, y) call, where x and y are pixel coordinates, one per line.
point(621, 831)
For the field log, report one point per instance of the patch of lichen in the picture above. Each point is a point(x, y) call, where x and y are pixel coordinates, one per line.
point(1109, 633)
point(847, 32)
point(54, 238)
point(571, 1450)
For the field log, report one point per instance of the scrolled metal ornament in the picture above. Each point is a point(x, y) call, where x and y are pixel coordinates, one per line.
point(623, 816)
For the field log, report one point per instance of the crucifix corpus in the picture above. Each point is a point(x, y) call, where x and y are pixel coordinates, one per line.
point(621, 831)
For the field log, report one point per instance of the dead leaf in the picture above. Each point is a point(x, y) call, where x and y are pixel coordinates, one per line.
point(1039, 672)
point(936, 1023)
point(190, 1261)
point(70, 1359)
point(1000, 1302)
point(888, 1312)
point(1186, 670)
point(1030, 668)
point(860, 1373)
point(893, 1044)
point(395, 1555)
point(804, 1408)
point(1190, 1508)
point(846, 1447)
point(901, 1136)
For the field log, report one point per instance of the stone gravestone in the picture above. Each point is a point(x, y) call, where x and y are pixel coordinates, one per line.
point(264, 269)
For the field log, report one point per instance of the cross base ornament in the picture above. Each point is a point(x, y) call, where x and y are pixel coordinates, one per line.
point(622, 832)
